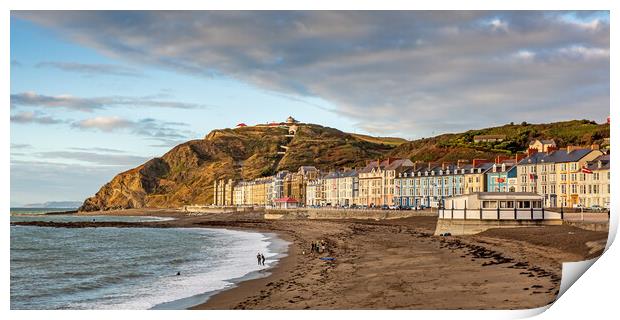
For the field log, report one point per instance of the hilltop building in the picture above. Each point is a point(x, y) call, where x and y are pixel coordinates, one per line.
point(490, 138)
point(543, 145)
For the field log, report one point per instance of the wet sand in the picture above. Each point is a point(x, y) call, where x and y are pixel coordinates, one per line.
point(395, 264)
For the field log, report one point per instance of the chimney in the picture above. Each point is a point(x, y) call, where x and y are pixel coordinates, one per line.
point(531, 151)
point(594, 147)
point(477, 162)
point(550, 149)
point(500, 159)
point(443, 165)
point(460, 162)
point(429, 165)
point(569, 149)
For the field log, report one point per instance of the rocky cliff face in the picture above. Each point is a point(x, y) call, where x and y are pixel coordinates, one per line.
point(185, 174)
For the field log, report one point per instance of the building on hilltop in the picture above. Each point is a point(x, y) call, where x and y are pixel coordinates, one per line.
point(543, 145)
point(490, 138)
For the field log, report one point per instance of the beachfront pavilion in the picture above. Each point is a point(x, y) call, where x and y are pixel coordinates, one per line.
point(286, 203)
point(497, 206)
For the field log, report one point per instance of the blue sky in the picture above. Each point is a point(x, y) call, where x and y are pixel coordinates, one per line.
point(96, 93)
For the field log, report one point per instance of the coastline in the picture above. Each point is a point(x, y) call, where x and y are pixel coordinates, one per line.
point(390, 264)
point(245, 287)
point(276, 245)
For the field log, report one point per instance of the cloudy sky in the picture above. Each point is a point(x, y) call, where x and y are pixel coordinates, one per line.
point(96, 93)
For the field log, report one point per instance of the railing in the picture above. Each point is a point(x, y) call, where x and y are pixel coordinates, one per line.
point(500, 214)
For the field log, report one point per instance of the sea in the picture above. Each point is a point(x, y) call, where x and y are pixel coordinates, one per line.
point(129, 268)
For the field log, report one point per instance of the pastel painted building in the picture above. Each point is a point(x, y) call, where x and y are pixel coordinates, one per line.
point(377, 181)
point(555, 174)
point(501, 177)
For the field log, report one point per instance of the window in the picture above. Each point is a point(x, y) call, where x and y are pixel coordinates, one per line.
point(489, 204)
point(524, 204)
point(536, 204)
point(506, 204)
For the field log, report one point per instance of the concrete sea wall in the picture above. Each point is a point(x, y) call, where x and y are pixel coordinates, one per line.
point(311, 213)
point(198, 209)
point(473, 226)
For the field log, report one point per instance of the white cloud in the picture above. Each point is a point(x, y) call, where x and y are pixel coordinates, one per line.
point(106, 124)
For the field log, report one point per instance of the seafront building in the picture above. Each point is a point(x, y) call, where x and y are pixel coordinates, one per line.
point(595, 183)
point(555, 175)
point(377, 181)
point(574, 176)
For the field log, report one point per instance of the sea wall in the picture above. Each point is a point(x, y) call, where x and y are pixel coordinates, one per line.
point(198, 209)
point(312, 213)
point(592, 226)
point(473, 226)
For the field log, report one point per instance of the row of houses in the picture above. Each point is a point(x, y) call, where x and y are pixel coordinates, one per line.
point(574, 176)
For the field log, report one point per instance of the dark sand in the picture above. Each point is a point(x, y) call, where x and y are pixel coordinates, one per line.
point(394, 264)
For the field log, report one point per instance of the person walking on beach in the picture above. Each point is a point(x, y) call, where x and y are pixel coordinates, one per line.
point(258, 257)
point(262, 258)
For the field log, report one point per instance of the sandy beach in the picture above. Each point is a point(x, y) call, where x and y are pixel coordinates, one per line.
point(393, 264)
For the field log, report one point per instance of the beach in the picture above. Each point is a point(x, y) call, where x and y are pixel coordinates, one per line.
point(391, 264)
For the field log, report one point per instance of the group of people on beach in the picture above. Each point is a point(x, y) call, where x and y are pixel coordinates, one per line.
point(261, 259)
point(318, 246)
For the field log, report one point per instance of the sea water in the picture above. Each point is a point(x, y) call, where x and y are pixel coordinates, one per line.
point(129, 268)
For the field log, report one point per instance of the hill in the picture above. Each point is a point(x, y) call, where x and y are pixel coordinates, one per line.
point(452, 147)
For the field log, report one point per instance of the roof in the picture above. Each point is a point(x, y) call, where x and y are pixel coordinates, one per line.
point(286, 200)
point(490, 136)
point(603, 159)
point(387, 165)
point(543, 141)
point(564, 156)
point(502, 195)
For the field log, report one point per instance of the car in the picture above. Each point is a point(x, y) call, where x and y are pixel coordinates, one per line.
point(385, 207)
point(596, 208)
point(394, 207)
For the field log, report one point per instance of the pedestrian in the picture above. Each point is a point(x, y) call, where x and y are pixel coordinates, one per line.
point(262, 257)
point(258, 257)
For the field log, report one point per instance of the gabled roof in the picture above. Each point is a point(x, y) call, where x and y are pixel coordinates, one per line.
point(564, 156)
point(603, 159)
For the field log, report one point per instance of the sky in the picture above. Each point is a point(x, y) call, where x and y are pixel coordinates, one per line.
point(94, 93)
